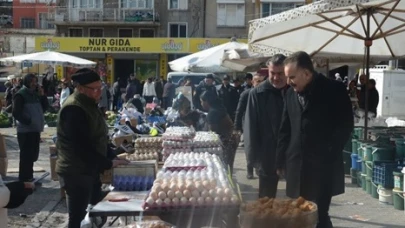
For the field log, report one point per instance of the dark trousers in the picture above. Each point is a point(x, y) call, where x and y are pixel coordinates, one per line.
point(323, 200)
point(268, 186)
point(81, 190)
point(167, 102)
point(148, 99)
point(29, 152)
point(115, 103)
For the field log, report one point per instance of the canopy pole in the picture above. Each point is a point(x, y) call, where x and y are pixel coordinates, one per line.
point(367, 42)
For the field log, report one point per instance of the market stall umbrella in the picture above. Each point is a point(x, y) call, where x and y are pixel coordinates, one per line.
point(208, 60)
point(345, 31)
point(51, 58)
point(308, 9)
point(242, 60)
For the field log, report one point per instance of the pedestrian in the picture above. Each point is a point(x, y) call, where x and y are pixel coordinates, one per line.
point(83, 152)
point(29, 105)
point(206, 85)
point(240, 118)
point(103, 103)
point(132, 87)
point(12, 195)
point(229, 96)
point(159, 84)
point(262, 121)
point(149, 91)
point(219, 122)
point(248, 81)
point(316, 124)
point(65, 92)
point(169, 91)
point(116, 94)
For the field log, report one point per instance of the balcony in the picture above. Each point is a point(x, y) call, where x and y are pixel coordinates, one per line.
point(75, 16)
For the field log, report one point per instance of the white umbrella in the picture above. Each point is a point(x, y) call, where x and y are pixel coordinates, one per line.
point(242, 60)
point(309, 9)
point(208, 60)
point(51, 58)
point(376, 28)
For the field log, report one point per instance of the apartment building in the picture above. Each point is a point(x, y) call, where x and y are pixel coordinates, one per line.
point(31, 14)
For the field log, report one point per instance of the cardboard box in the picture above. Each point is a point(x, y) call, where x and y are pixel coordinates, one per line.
point(118, 141)
point(3, 149)
point(53, 150)
point(52, 161)
point(3, 166)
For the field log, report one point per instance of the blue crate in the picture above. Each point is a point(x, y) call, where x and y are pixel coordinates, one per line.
point(158, 119)
point(382, 173)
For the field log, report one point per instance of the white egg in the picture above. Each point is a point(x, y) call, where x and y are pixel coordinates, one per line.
point(193, 200)
point(183, 200)
point(157, 188)
point(159, 202)
point(167, 201)
point(219, 192)
point(165, 187)
point(162, 195)
point(186, 193)
point(213, 183)
point(150, 200)
point(204, 193)
point(153, 195)
point(199, 187)
point(178, 194)
point(170, 194)
point(235, 199)
point(206, 184)
point(208, 200)
point(225, 200)
point(228, 192)
point(217, 200)
point(200, 200)
point(175, 201)
point(212, 193)
point(190, 186)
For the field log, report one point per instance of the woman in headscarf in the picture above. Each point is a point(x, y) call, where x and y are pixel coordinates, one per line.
point(219, 122)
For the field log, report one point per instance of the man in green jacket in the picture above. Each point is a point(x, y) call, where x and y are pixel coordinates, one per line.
point(82, 146)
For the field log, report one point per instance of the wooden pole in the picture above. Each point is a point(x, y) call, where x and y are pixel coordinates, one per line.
point(257, 8)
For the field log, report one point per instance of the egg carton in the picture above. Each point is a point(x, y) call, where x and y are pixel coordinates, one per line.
point(147, 151)
point(171, 206)
point(211, 150)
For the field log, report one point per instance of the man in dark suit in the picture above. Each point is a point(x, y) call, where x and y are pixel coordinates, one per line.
point(316, 123)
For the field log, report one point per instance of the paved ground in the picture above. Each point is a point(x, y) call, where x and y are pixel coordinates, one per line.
point(46, 209)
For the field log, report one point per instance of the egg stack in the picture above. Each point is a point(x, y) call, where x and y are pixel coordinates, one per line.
point(199, 187)
point(185, 161)
point(205, 141)
point(147, 148)
point(177, 139)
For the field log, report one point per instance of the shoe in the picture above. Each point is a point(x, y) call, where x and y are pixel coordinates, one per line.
point(249, 176)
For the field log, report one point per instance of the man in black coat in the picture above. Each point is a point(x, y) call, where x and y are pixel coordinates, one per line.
point(240, 116)
point(229, 96)
point(317, 121)
point(262, 121)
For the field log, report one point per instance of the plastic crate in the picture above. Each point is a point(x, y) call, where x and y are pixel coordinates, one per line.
point(382, 173)
point(158, 119)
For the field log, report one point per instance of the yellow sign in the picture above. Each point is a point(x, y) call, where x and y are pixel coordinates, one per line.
point(163, 65)
point(59, 72)
point(126, 45)
point(110, 70)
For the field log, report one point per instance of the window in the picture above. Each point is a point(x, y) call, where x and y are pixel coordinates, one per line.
point(138, 4)
point(269, 9)
point(27, 23)
point(43, 21)
point(146, 33)
point(177, 30)
point(124, 32)
point(231, 14)
point(76, 32)
point(96, 32)
point(87, 3)
point(27, 1)
point(178, 4)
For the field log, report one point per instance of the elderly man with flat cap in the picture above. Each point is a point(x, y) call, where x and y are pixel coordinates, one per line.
point(82, 146)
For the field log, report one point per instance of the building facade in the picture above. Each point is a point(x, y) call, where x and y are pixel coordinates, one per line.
point(31, 14)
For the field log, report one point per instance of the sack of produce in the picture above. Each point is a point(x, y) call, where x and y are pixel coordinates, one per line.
point(276, 213)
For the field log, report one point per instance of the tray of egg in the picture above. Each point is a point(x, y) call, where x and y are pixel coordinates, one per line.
point(185, 161)
point(192, 188)
point(178, 134)
point(148, 142)
point(206, 140)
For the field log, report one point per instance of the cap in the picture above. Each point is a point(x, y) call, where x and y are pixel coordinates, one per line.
point(209, 76)
point(226, 78)
point(85, 76)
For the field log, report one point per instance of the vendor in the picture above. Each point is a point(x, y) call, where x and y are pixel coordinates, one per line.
point(12, 195)
point(188, 117)
point(82, 146)
point(219, 122)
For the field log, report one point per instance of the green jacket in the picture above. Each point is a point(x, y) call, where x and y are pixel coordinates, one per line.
point(32, 111)
point(90, 157)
